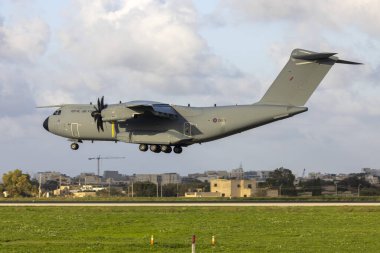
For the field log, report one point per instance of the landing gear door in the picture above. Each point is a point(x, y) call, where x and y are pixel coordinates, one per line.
point(187, 128)
point(75, 130)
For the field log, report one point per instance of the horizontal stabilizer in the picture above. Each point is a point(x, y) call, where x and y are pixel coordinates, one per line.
point(348, 62)
point(313, 56)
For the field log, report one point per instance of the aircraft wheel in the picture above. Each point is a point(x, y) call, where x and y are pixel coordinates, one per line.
point(143, 147)
point(166, 149)
point(74, 146)
point(178, 149)
point(155, 148)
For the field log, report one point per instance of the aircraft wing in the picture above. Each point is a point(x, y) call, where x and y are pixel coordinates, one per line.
point(157, 109)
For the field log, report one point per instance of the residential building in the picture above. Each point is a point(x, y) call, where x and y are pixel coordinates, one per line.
point(170, 178)
point(234, 187)
point(209, 175)
point(152, 178)
point(165, 178)
point(114, 174)
point(89, 178)
point(373, 172)
point(237, 173)
point(52, 176)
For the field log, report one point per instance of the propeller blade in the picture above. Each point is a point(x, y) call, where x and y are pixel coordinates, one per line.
point(101, 126)
point(97, 114)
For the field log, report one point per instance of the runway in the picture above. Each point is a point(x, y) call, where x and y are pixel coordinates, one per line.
point(188, 204)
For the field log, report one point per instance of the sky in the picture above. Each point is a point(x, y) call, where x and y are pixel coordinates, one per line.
point(198, 52)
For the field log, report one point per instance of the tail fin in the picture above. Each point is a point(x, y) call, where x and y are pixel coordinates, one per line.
point(300, 77)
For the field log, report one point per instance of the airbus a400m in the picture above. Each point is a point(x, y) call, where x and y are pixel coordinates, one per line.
point(162, 127)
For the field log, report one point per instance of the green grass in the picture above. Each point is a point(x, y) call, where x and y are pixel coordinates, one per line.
point(236, 229)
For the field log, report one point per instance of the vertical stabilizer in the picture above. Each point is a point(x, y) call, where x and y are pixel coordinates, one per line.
point(300, 77)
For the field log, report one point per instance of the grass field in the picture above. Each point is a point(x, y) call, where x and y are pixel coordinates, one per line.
point(236, 229)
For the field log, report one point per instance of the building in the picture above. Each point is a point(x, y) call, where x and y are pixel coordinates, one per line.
point(209, 175)
point(43, 177)
point(372, 179)
point(152, 178)
point(373, 172)
point(165, 178)
point(234, 187)
point(88, 178)
point(170, 178)
point(237, 173)
point(114, 176)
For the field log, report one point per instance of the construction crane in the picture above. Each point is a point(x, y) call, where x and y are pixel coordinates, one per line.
point(98, 158)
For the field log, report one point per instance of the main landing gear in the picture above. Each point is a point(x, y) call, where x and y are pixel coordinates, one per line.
point(160, 148)
point(74, 146)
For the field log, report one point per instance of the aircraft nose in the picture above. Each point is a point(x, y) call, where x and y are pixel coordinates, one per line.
point(46, 124)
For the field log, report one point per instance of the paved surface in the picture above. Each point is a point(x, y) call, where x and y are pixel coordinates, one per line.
point(195, 204)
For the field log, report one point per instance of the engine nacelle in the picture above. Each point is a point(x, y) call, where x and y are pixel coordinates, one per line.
point(117, 113)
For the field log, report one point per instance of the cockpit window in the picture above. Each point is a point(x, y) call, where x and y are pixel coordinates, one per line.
point(57, 112)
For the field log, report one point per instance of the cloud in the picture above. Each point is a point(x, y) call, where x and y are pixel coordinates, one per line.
point(144, 46)
point(24, 41)
point(312, 15)
point(22, 44)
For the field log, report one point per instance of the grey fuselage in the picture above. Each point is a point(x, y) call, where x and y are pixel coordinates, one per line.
point(194, 124)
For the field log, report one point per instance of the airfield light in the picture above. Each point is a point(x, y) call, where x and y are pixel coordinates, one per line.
point(151, 240)
point(213, 241)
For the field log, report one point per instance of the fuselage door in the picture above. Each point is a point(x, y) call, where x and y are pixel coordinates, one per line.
point(75, 130)
point(187, 128)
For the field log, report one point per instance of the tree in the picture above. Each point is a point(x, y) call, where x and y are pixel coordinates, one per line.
point(354, 180)
point(17, 183)
point(50, 185)
point(144, 189)
point(284, 179)
point(313, 185)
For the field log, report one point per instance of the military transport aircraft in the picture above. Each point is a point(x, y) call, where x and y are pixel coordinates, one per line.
point(162, 127)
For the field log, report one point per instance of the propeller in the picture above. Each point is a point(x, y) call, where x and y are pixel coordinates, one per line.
point(97, 114)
